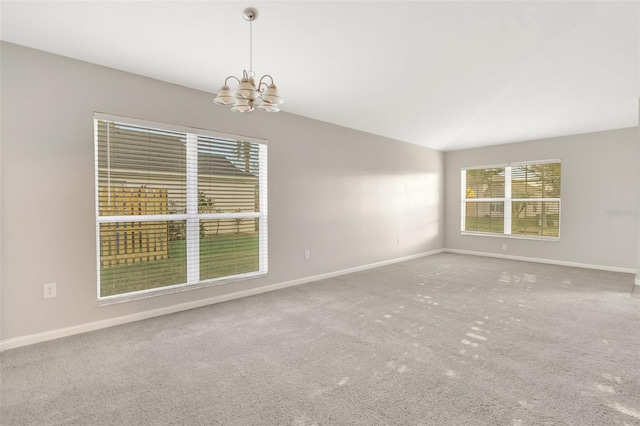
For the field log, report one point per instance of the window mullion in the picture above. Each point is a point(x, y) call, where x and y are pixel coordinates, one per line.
point(507, 200)
point(484, 200)
point(193, 228)
point(263, 206)
point(463, 207)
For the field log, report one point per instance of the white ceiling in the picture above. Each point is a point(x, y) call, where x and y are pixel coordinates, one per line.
point(447, 75)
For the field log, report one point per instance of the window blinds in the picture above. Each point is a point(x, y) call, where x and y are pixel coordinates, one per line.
point(176, 208)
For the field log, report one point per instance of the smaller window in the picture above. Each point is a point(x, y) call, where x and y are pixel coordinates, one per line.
point(517, 199)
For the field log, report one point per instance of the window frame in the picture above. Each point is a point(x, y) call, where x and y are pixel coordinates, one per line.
point(507, 200)
point(192, 216)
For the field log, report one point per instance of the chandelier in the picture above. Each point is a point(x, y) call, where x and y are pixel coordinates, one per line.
point(248, 94)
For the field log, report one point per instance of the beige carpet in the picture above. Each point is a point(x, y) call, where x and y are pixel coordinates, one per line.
point(443, 340)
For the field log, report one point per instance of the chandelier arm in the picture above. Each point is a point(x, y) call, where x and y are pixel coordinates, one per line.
point(261, 78)
point(231, 76)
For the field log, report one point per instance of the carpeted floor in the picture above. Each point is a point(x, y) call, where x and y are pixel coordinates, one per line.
point(442, 340)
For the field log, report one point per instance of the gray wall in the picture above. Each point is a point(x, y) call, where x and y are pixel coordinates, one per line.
point(599, 173)
point(345, 195)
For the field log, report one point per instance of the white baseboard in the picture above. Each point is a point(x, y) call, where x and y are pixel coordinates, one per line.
point(547, 261)
point(97, 325)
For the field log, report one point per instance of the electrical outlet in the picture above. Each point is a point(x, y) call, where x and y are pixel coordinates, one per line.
point(504, 247)
point(49, 290)
point(307, 255)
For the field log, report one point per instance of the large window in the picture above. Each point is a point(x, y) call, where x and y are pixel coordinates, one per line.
point(176, 207)
point(518, 199)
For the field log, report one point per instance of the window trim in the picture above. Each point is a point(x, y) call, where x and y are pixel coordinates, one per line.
point(176, 128)
point(262, 214)
point(507, 200)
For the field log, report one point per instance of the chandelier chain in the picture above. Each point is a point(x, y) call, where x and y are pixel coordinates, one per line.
point(251, 47)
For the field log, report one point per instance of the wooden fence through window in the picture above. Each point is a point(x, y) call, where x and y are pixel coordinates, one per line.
point(132, 242)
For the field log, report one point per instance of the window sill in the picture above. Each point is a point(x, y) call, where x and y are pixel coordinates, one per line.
point(178, 288)
point(510, 236)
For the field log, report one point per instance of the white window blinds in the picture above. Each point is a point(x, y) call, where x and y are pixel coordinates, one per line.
point(176, 207)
